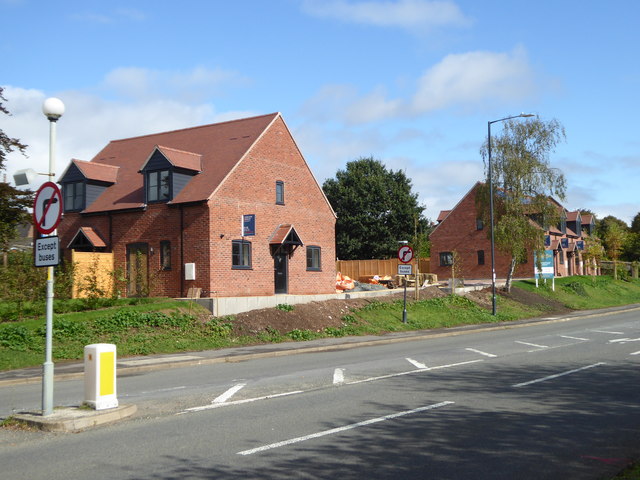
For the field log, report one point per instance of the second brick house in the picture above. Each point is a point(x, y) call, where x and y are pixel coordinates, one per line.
point(230, 208)
point(461, 230)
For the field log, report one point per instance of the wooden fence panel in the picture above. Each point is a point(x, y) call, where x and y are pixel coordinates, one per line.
point(360, 269)
point(92, 271)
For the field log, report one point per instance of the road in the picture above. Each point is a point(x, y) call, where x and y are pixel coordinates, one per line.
point(547, 401)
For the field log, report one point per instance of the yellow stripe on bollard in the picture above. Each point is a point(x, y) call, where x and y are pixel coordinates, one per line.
point(107, 373)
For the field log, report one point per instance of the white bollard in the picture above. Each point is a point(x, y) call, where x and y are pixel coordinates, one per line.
point(100, 376)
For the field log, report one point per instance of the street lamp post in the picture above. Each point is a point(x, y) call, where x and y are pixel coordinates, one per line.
point(493, 245)
point(53, 108)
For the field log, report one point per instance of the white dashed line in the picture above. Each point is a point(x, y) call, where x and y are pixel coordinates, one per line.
point(239, 402)
point(574, 338)
point(532, 344)
point(482, 353)
point(229, 393)
point(417, 364)
point(341, 429)
point(606, 331)
point(550, 377)
point(338, 376)
point(624, 340)
point(635, 353)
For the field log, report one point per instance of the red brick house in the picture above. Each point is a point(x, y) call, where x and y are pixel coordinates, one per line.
point(231, 208)
point(461, 230)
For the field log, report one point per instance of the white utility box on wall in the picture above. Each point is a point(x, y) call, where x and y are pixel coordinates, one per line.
point(100, 376)
point(189, 271)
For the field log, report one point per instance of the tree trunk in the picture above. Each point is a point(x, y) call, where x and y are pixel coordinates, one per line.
point(512, 268)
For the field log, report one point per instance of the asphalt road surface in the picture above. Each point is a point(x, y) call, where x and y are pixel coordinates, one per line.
point(547, 401)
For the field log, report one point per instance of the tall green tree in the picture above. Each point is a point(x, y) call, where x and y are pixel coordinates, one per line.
point(13, 202)
point(375, 207)
point(614, 239)
point(523, 181)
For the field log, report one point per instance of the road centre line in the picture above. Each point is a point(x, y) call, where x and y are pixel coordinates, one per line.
point(481, 352)
point(532, 344)
point(550, 377)
point(400, 374)
point(342, 429)
point(635, 353)
point(338, 376)
point(606, 331)
point(574, 338)
point(229, 393)
point(624, 340)
point(239, 402)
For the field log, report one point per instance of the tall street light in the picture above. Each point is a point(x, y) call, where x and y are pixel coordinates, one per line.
point(493, 244)
point(53, 108)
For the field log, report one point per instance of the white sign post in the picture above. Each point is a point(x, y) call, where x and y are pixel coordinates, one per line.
point(405, 255)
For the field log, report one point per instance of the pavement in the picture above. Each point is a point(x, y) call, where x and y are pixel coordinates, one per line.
point(78, 418)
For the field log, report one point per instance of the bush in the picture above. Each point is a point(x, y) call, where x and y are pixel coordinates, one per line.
point(16, 337)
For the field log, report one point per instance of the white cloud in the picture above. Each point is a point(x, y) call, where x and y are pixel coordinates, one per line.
point(467, 81)
point(110, 17)
point(474, 78)
point(409, 14)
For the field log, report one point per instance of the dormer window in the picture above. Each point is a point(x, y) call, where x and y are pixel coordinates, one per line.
point(166, 172)
point(562, 226)
point(159, 186)
point(74, 197)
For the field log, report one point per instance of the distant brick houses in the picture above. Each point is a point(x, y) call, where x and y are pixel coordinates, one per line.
point(231, 208)
point(461, 230)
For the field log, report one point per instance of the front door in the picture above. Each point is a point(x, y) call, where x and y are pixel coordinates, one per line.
point(137, 270)
point(281, 269)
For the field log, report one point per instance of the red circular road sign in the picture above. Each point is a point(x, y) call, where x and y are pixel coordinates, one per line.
point(47, 208)
point(405, 254)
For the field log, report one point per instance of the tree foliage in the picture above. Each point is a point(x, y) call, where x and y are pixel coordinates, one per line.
point(375, 208)
point(13, 202)
point(523, 181)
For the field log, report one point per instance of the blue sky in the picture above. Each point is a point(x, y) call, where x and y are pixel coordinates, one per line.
point(410, 82)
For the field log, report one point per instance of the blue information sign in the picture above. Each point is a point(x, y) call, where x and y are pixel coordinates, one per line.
point(248, 225)
point(547, 270)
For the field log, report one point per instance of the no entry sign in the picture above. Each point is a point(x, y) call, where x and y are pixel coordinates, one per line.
point(47, 208)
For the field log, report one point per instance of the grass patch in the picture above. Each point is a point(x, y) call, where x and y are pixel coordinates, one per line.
point(586, 292)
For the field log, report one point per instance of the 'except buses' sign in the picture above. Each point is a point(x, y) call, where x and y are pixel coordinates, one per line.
point(47, 252)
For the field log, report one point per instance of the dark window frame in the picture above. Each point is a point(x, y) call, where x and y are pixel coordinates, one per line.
point(446, 259)
point(279, 192)
point(241, 251)
point(479, 224)
point(480, 257)
point(165, 255)
point(70, 190)
point(314, 258)
point(157, 185)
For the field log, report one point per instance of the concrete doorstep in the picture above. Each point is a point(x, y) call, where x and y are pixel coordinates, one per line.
point(74, 419)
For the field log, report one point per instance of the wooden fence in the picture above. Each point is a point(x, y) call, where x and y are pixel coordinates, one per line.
point(92, 273)
point(360, 269)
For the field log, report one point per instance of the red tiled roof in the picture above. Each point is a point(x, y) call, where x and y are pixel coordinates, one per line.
point(443, 214)
point(221, 146)
point(182, 159)
point(97, 171)
point(572, 216)
point(91, 235)
point(282, 233)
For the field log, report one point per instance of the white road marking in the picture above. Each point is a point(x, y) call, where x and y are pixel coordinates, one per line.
point(416, 364)
point(239, 402)
point(229, 393)
point(532, 344)
point(574, 338)
point(338, 376)
point(342, 429)
point(410, 372)
point(635, 353)
point(550, 377)
point(624, 340)
point(481, 352)
point(606, 331)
